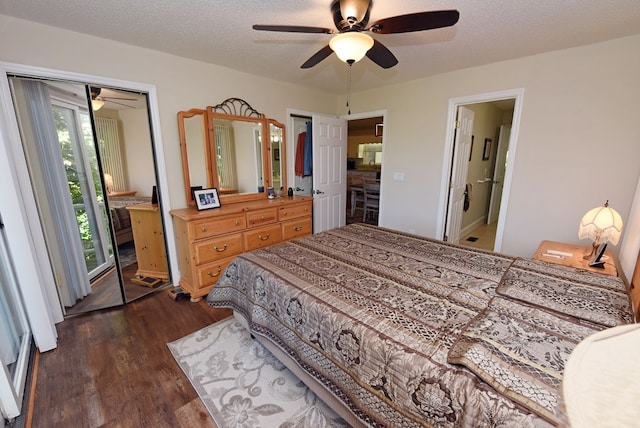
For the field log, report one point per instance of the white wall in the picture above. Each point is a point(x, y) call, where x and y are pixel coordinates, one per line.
point(579, 140)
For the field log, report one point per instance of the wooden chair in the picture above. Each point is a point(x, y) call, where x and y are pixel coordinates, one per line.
point(357, 193)
point(371, 198)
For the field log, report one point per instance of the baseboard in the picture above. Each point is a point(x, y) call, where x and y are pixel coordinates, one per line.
point(468, 229)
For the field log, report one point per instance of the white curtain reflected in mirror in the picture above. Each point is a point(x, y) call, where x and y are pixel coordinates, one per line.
point(225, 153)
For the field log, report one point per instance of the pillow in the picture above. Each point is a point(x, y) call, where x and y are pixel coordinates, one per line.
point(520, 350)
point(579, 293)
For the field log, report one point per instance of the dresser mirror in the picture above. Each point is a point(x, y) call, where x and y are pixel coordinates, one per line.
point(192, 128)
point(233, 148)
point(277, 158)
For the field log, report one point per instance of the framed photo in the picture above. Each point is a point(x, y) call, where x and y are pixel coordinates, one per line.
point(193, 191)
point(206, 199)
point(597, 260)
point(486, 153)
point(379, 128)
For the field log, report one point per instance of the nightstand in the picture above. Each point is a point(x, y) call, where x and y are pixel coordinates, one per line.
point(573, 257)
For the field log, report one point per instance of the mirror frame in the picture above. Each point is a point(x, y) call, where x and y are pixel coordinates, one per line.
point(183, 150)
point(283, 154)
point(230, 109)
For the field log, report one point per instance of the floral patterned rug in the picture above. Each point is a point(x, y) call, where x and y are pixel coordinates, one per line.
point(243, 385)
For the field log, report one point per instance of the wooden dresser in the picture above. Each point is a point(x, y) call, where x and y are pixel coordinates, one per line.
point(208, 240)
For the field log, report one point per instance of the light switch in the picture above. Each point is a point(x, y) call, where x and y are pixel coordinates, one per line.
point(398, 176)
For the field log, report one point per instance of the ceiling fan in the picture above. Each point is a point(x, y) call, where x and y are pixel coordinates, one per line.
point(97, 100)
point(351, 43)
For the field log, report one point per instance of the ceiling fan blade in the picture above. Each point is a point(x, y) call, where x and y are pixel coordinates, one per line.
point(415, 22)
point(317, 57)
point(381, 55)
point(293, 29)
point(118, 98)
point(110, 100)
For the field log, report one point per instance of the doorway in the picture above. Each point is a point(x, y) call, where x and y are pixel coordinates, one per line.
point(364, 166)
point(318, 144)
point(488, 165)
point(74, 137)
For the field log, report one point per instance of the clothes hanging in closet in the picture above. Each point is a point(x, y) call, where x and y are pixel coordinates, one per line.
point(308, 158)
point(304, 158)
point(299, 166)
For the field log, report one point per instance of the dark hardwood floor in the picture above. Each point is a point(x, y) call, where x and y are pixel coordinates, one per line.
point(112, 368)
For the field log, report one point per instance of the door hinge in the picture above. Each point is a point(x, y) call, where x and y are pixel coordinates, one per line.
point(457, 125)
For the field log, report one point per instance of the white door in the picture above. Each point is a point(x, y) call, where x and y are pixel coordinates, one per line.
point(15, 337)
point(461, 150)
point(498, 173)
point(329, 172)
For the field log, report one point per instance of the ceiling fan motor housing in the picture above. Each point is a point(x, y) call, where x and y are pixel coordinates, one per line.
point(351, 15)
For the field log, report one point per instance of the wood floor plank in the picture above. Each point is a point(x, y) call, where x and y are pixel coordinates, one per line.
point(112, 368)
point(194, 415)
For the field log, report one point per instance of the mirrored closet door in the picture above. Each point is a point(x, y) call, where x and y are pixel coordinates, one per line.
point(92, 202)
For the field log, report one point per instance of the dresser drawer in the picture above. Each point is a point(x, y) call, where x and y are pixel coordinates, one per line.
point(260, 217)
point(212, 227)
point(218, 248)
point(210, 273)
point(295, 228)
point(262, 237)
point(293, 211)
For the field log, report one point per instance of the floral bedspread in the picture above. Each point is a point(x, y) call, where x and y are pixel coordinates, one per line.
point(374, 314)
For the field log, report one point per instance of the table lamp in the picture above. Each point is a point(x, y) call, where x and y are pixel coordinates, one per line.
point(108, 182)
point(601, 225)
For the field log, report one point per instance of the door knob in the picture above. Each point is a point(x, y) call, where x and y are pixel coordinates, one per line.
point(319, 192)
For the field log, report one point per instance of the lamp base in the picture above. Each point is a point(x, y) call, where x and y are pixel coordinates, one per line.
point(593, 251)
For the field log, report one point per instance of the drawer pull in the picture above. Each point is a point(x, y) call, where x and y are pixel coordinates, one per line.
point(237, 222)
point(216, 274)
point(260, 237)
point(297, 228)
point(215, 247)
point(261, 217)
point(285, 213)
point(204, 229)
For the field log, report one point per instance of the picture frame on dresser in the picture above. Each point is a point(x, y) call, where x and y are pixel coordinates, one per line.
point(206, 199)
point(597, 260)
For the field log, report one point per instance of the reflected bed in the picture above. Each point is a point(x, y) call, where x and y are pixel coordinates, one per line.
point(394, 329)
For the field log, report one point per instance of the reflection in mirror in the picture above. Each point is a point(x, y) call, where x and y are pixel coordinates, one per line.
point(229, 147)
point(238, 153)
point(192, 126)
point(277, 155)
point(85, 188)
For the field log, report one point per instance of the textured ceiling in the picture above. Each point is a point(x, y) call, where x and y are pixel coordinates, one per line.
point(219, 32)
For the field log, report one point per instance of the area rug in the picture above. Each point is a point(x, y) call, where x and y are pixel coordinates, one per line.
point(243, 385)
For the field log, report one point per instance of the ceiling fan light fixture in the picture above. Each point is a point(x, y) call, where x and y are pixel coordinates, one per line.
point(97, 104)
point(351, 46)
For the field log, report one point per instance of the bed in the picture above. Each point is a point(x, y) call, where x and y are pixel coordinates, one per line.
point(120, 216)
point(392, 329)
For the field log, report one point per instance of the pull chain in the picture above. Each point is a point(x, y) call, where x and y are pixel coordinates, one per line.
point(349, 91)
